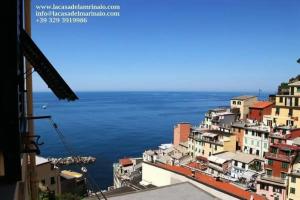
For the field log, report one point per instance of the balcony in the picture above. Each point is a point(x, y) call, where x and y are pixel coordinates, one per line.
point(274, 179)
point(280, 157)
point(203, 139)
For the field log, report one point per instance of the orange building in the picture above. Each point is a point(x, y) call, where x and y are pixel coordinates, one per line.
point(181, 132)
point(259, 109)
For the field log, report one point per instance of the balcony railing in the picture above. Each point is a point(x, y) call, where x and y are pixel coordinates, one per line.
point(209, 141)
point(274, 179)
point(279, 157)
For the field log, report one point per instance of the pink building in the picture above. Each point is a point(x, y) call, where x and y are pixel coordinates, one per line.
point(181, 132)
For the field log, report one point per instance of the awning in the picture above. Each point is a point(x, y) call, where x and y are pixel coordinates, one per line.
point(45, 69)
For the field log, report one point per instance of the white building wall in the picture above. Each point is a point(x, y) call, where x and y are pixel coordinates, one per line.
point(162, 177)
point(256, 143)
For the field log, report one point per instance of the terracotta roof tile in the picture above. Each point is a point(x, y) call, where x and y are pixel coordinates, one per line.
point(261, 104)
point(125, 162)
point(225, 187)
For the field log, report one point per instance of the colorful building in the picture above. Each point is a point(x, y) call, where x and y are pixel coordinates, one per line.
point(48, 176)
point(283, 135)
point(294, 183)
point(181, 132)
point(287, 108)
point(256, 139)
point(279, 162)
point(238, 128)
point(259, 109)
point(218, 117)
point(208, 142)
point(241, 105)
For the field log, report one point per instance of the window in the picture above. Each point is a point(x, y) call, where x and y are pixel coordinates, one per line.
point(246, 132)
point(290, 112)
point(264, 186)
point(243, 165)
point(292, 190)
point(276, 189)
point(293, 179)
point(210, 145)
point(284, 165)
point(265, 145)
point(233, 102)
point(253, 133)
point(296, 101)
point(283, 175)
point(273, 150)
point(239, 103)
point(43, 182)
point(279, 141)
point(270, 162)
point(202, 152)
point(272, 140)
point(235, 163)
point(252, 142)
point(277, 111)
point(245, 140)
point(52, 181)
point(257, 152)
point(216, 147)
point(269, 172)
point(209, 154)
point(280, 99)
point(257, 143)
point(298, 89)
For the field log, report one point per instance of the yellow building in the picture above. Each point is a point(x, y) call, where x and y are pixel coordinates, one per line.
point(287, 108)
point(241, 104)
point(294, 183)
point(208, 142)
point(48, 176)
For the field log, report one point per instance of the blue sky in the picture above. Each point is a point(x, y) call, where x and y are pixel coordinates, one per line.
point(176, 45)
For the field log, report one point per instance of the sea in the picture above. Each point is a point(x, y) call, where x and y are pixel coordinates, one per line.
point(114, 125)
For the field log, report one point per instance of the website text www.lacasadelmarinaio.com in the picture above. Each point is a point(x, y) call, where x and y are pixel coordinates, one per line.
point(73, 13)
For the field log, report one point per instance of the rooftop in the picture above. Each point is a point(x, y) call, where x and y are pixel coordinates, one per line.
point(297, 83)
point(261, 104)
point(242, 98)
point(245, 158)
point(165, 146)
point(67, 174)
point(239, 124)
point(177, 191)
point(41, 160)
point(224, 155)
point(222, 186)
point(125, 161)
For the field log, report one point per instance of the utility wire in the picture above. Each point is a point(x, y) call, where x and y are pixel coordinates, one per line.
point(28, 74)
point(72, 152)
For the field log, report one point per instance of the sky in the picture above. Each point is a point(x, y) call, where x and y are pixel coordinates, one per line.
point(175, 45)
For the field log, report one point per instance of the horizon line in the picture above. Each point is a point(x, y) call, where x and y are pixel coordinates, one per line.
point(235, 91)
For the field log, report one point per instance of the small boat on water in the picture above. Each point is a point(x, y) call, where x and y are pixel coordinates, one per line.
point(44, 106)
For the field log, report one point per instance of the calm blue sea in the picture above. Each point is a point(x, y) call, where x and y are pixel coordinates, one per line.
point(113, 125)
